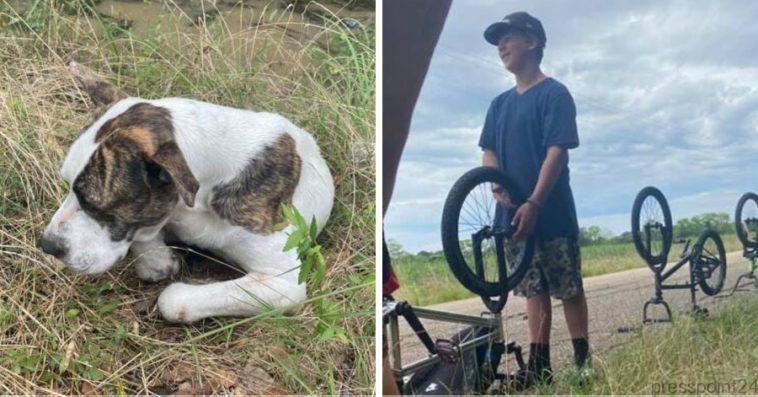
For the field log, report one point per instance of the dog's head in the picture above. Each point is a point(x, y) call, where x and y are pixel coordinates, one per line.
point(126, 174)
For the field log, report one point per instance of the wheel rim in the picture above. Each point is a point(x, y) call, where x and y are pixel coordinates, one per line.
point(480, 226)
point(652, 226)
point(710, 264)
point(748, 221)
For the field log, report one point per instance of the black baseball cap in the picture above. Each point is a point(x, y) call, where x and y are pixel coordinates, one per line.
point(518, 21)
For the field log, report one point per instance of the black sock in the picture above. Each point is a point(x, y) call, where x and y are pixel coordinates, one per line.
point(539, 357)
point(581, 351)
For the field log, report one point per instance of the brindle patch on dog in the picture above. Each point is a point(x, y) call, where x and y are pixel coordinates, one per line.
point(136, 175)
point(253, 199)
point(134, 121)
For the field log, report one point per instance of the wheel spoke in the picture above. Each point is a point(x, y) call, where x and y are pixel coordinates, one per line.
point(469, 226)
point(712, 255)
point(710, 259)
point(490, 207)
point(468, 223)
point(486, 203)
point(468, 211)
point(467, 231)
point(480, 204)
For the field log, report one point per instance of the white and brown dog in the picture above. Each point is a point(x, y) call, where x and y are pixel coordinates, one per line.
point(213, 176)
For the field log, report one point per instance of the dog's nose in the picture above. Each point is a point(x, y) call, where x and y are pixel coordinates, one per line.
point(52, 246)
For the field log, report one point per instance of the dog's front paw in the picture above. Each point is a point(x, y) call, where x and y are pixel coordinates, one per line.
point(157, 265)
point(174, 304)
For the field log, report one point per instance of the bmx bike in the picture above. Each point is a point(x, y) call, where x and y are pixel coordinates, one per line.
point(479, 249)
point(652, 232)
point(746, 226)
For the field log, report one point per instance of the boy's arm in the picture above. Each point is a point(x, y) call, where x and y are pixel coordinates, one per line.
point(489, 159)
point(555, 160)
point(525, 218)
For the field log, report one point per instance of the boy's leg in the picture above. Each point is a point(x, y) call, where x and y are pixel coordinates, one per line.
point(575, 310)
point(539, 318)
point(563, 273)
point(534, 288)
point(539, 313)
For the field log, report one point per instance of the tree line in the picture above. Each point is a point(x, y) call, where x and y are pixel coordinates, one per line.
point(683, 228)
point(595, 235)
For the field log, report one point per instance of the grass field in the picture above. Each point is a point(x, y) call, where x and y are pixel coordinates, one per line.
point(67, 334)
point(427, 280)
point(717, 355)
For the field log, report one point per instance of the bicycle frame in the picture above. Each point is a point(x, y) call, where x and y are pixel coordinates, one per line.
point(392, 327)
point(392, 310)
point(660, 277)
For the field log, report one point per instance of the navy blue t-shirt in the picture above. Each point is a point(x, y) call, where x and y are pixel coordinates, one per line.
point(519, 129)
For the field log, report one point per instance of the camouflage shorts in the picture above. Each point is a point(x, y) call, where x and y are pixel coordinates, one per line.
point(555, 269)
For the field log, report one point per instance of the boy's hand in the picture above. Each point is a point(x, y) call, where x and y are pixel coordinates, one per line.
point(502, 197)
point(524, 220)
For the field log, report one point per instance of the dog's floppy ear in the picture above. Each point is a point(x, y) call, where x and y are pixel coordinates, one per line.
point(102, 93)
point(170, 158)
point(147, 129)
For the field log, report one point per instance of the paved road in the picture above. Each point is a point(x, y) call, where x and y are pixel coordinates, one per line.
point(614, 300)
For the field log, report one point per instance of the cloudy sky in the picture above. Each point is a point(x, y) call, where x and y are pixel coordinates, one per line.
point(666, 95)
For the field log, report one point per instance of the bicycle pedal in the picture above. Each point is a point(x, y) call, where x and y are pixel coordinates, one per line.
point(513, 348)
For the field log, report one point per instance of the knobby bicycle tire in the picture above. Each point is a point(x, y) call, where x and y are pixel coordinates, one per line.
point(450, 237)
point(708, 285)
point(656, 262)
point(743, 234)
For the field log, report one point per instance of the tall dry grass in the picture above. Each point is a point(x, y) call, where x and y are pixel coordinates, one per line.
point(717, 355)
point(66, 334)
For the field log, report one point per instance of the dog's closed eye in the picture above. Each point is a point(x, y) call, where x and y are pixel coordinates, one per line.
point(156, 173)
point(93, 210)
point(87, 205)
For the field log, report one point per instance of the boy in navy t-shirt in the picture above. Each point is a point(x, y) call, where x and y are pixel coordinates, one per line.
point(527, 133)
